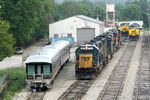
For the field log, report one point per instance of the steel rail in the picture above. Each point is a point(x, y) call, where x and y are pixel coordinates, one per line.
point(76, 89)
point(33, 96)
point(113, 74)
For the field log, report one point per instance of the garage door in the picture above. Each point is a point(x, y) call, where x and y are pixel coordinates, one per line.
point(85, 34)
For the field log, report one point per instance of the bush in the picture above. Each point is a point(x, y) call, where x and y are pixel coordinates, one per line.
point(16, 78)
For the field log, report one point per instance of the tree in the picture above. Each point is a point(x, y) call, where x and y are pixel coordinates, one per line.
point(6, 40)
point(99, 12)
point(23, 18)
point(44, 18)
point(119, 9)
point(144, 6)
point(132, 12)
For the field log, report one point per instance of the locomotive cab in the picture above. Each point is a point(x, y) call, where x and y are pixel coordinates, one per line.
point(87, 61)
point(134, 34)
point(124, 31)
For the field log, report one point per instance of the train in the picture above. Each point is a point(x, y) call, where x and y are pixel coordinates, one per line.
point(134, 33)
point(43, 66)
point(124, 31)
point(92, 56)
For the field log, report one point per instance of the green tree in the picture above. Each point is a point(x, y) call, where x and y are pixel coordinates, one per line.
point(23, 18)
point(144, 6)
point(99, 12)
point(71, 8)
point(6, 40)
point(44, 18)
point(119, 9)
point(132, 12)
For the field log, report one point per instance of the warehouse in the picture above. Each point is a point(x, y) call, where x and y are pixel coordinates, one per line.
point(81, 28)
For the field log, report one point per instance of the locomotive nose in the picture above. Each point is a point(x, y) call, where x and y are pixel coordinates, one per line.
point(85, 61)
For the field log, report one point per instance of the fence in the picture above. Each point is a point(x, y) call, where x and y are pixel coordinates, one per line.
point(2, 79)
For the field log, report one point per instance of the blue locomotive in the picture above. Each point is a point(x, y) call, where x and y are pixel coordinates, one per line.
point(94, 55)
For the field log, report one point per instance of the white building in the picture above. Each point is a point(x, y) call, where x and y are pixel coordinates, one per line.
point(80, 27)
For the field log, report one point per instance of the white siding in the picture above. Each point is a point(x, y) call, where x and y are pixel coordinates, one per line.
point(71, 24)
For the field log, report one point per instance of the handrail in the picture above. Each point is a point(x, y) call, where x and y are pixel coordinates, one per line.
point(3, 78)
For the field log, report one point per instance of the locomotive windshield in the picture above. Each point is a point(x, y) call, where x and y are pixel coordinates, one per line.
point(86, 51)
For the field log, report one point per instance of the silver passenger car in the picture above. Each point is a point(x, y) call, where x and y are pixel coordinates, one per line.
point(43, 66)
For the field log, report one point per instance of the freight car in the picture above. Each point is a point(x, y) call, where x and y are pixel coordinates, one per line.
point(92, 56)
point(43, 66)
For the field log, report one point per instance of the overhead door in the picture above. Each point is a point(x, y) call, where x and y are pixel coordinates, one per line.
point(85, 34)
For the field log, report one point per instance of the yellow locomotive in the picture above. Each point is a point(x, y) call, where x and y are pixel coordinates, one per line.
point(124, 31)
point(134, 34)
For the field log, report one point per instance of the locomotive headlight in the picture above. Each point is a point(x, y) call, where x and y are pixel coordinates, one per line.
point(86, 48)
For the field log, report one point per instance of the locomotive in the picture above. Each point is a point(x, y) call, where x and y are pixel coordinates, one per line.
point(94, 55)
point(43, 66)
point(124, 31)
point(134, 34)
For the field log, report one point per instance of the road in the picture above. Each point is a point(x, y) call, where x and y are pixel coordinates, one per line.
point(18, 60)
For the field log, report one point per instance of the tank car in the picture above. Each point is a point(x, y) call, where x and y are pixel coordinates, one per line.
point(43, 66)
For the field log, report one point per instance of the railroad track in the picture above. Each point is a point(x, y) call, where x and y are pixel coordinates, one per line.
point(76, 90)
point(36, 96)
point(142, 86)
point(114, 85)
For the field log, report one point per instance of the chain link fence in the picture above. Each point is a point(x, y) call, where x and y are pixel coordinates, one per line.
point(3, 78)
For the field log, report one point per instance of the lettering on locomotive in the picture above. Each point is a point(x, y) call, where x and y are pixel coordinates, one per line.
point(85, 61)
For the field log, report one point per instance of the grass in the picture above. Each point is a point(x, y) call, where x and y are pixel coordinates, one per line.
point(2, 73)
point(16, 77)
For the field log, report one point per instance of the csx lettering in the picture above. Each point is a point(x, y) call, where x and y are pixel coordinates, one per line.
point(85, 58)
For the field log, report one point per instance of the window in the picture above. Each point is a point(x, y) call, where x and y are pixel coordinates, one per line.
point(31, 69)
point(46, 70)
point(69, 36)
point(56, 35)
point(39, 70)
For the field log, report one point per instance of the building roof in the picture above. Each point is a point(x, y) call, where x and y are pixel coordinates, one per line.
point(84, 18)
point(89, 19)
